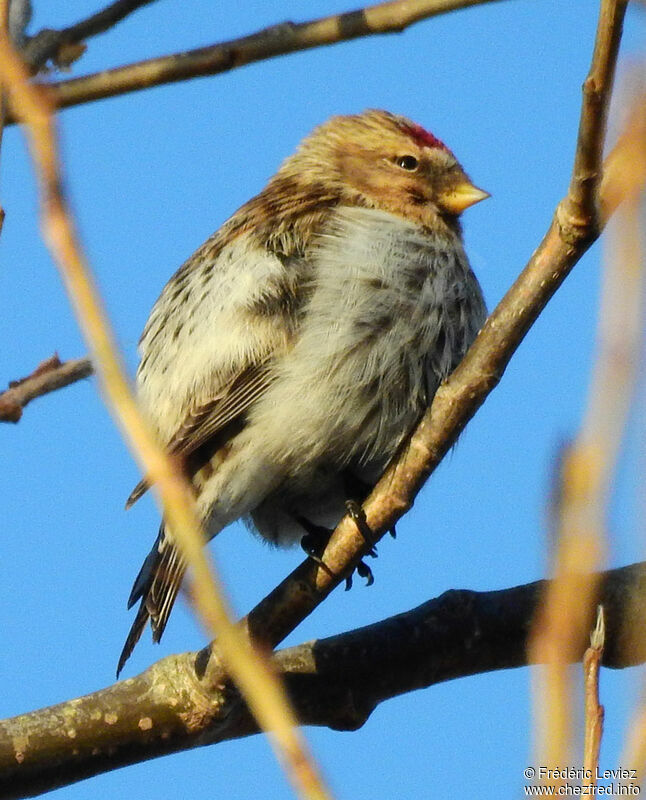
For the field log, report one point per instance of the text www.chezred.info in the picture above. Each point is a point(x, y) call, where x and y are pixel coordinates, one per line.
point(578, 782)
point(577, 790)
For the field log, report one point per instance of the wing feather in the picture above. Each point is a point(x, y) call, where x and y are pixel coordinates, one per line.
point(204, 422)
point(205, 362)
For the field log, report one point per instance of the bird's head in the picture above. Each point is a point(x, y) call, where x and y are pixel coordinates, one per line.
point(382, 160)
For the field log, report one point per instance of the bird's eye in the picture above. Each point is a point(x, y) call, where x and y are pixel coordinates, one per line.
point(409, 163)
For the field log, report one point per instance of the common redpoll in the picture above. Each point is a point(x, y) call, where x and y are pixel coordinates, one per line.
point(286, 360)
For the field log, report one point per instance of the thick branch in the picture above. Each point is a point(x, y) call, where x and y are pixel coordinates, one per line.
point(390, 17)
point(335, 682)
point(48, 376)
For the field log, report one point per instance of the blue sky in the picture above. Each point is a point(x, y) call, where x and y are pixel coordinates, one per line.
point(150, 176)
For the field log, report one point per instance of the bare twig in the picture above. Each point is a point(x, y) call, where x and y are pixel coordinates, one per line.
point(20, 12)
point(588, 468)
point(336, 682)
point(251, 672)
point(4, 22)
point(390, 17)
point(3, 113)
point(630, 249)
point(625, 168)
point(47, 44)
point(593, 710)
point(580, 207)
point(48, 376)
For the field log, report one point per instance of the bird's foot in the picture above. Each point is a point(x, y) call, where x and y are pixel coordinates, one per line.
point(317, 537)
point(363, 571)
point(359, 518)
point(314, 541)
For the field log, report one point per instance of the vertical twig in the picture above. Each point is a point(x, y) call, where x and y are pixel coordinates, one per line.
point(260, 686)
point(582, 200)
point(3, 110)
point(4, 23)
point(586, 465)
point(629, 168)
point(593, 710)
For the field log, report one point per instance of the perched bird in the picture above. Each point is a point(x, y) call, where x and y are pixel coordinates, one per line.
point(286, 360)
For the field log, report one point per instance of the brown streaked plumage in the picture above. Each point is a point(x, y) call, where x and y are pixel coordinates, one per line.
point(289, 356)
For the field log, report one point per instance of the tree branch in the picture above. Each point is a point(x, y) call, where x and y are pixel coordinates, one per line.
point(567, 239)
point(48, 376)
point(390, 17)
point(579, 210)
point(570, 234)
point(336, 682)
point(46, 44)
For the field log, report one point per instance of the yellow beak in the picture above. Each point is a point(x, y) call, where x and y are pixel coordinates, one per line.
point(460, 197)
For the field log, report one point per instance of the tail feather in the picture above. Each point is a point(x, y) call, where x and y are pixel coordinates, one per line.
point(140, 489)
point(156, 585)
point(143, 580)
point(164, 589)
point(133, 636)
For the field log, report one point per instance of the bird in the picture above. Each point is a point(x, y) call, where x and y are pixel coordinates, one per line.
point(288, 358)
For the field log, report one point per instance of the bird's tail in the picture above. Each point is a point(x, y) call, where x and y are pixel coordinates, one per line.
point(156, 587)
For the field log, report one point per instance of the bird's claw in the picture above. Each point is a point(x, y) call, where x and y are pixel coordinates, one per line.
point(312, 547)
point(358, 515)
point(364, 571)
point(356, 512)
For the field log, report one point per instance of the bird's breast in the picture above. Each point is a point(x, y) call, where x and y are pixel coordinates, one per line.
point(392, 309)
point(394, 292)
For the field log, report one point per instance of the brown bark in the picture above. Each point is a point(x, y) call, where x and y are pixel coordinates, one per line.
point(186, 701)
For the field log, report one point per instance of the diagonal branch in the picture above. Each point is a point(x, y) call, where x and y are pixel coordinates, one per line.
point(335, 682)
point(390, 17)
point(46, 44)
point(48, 376)
point(574, 228)
point(570, 234)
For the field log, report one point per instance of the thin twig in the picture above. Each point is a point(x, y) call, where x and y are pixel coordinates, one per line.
point(3, 115)
point(46, 44)
point(582, 202)
point(625, 168)
point(20, 13)
point(250, 671)
point(48, 376)
point(4, 22)
point(630, 248)
point(588, 470)
point(594, 712)
point(390, 17)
